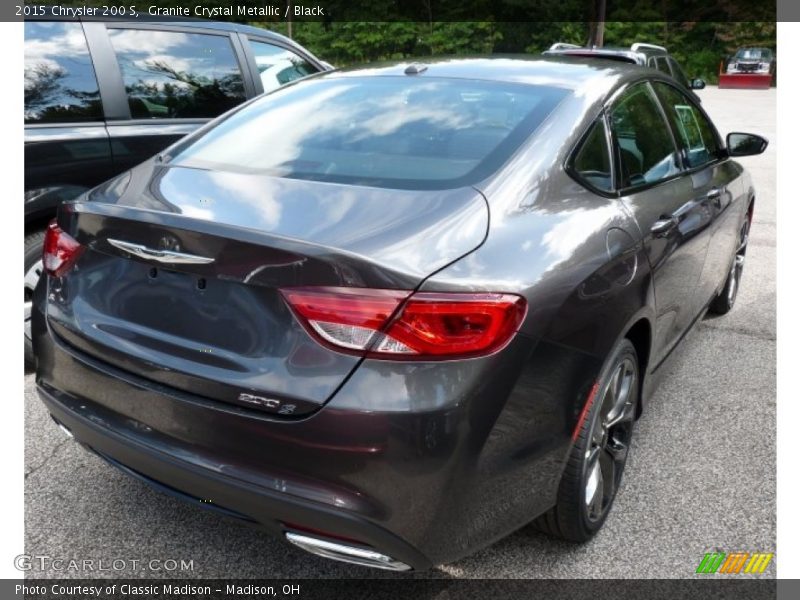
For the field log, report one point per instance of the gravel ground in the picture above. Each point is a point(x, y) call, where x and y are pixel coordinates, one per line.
point(701, 475)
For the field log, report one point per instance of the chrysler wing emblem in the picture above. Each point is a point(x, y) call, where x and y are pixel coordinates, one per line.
point(162, 256)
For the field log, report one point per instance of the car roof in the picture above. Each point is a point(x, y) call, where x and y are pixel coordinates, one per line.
point(222, 26)
point(611, 53)
point(558, 71)
point(186, 22)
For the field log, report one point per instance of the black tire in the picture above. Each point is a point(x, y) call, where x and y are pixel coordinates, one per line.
point(33, 254)
point(724, 301)
point(573, 518)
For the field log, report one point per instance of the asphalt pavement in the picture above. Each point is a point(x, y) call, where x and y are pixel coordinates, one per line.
point(700, 477)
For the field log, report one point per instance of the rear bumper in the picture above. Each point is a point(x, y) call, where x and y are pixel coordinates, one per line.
point(249, 503)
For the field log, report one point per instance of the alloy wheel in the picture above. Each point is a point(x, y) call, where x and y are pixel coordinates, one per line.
point(610, 439)
point(735, 275)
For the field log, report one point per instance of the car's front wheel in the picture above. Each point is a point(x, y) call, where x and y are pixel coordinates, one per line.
point(593, 472)
point(33, 271)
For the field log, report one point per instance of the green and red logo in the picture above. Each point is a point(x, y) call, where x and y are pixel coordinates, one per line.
point(733, 563)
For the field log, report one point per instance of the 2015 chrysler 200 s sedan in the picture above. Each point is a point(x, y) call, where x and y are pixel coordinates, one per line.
point(395, 313)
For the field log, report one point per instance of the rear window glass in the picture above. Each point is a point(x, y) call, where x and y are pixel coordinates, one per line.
point(278, 66)
point(60, 85)
point(646, 150)
point(695, 132)
point(175, 75)
point(399, 132)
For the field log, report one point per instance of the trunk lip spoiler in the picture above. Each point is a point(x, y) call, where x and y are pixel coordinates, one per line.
point(161, 256)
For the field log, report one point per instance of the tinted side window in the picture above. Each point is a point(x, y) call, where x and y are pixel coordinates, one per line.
point(696, 135)
point(644, 144)
point(175, 75)
point(60, 84)
point(678, 74)
point(278, 66)
point(592, 162)
point(662, 65)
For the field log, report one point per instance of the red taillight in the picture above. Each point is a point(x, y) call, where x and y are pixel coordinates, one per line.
point(60, 251)
point(427, 326)
point(457, 324)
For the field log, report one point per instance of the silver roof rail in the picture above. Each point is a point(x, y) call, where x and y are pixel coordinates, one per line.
point(635, 47)
point(563, 46)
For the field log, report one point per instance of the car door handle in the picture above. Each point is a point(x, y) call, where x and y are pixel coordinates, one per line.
point(663, 226)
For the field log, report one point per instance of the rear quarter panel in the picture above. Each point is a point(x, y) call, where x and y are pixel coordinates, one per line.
point(577, 259)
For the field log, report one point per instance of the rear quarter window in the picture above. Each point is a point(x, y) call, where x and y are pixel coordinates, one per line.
point(591, 163)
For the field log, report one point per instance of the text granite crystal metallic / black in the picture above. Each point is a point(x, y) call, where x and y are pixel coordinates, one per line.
point(393, 314)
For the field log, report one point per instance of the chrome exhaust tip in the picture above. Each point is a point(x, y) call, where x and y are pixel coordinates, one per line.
point(349, 554)
point(62, 427)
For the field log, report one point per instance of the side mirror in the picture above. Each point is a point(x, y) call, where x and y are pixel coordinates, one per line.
point(745, 144)
point(697, 84)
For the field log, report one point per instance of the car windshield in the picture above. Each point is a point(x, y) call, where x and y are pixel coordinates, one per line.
point(397, 132)
point(753, 54)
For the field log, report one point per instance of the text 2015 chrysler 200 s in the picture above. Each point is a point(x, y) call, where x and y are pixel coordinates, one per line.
point(395, 313)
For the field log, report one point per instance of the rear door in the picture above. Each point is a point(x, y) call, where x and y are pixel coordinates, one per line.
point(66, 144)
point(164, 82)
point(710, 176)
point(673, 220)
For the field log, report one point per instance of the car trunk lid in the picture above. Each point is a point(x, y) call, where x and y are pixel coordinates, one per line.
point(180, 281)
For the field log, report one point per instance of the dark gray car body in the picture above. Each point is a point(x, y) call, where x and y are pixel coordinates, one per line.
point(424, 461)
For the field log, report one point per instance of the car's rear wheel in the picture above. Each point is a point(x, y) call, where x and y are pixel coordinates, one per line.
point(595, 465)
point(33, 271)
point(725, 300)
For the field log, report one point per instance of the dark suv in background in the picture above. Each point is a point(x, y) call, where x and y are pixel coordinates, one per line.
point(101, 97)
point(640, 53)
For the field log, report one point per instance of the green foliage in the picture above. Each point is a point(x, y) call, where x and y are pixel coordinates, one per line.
point(356, 42)
point(545, 34)
point(457, 38)
point(359, 42)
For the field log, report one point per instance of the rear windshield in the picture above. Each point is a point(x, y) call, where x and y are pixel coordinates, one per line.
point(398, 132)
